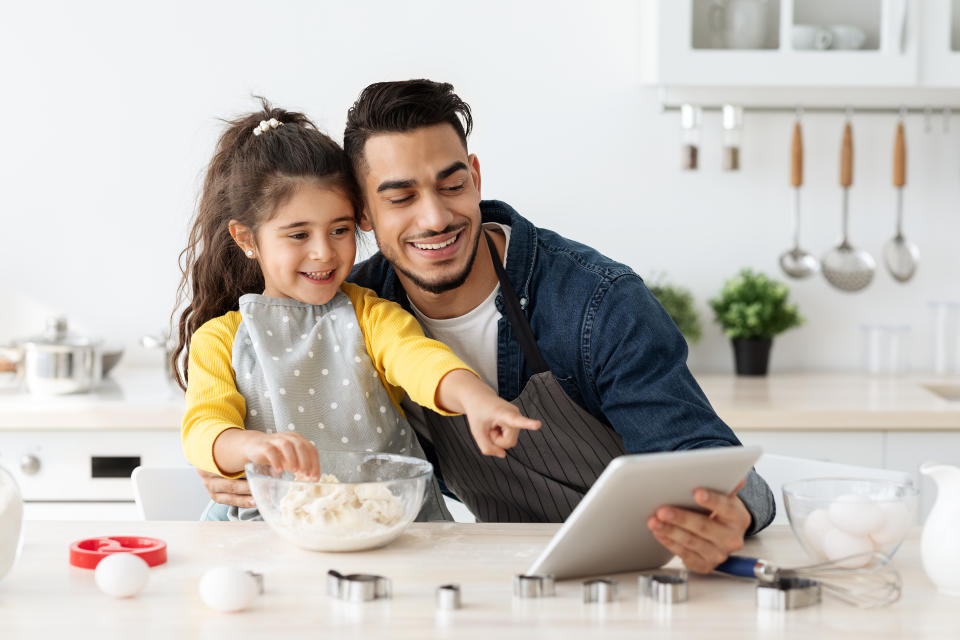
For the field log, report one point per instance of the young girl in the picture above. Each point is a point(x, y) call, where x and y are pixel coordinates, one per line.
point(283, 356)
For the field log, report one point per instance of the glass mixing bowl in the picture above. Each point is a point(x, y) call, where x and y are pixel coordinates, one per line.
point(372, 499)
point(838, 517)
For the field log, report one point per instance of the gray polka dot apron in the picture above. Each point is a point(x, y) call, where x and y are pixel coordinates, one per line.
point(548, 472)
point(305, 368)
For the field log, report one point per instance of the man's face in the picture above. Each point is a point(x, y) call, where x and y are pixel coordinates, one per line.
point(422, 195)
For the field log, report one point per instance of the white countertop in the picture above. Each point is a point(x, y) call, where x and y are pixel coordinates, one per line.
point(129, 398)
point(141, 398)
point(832, 401)
point(45, 597)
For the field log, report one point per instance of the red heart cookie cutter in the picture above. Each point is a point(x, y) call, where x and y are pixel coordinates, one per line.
point(88, 553)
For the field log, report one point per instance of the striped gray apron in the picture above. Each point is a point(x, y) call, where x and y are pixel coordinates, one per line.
point(548, 472)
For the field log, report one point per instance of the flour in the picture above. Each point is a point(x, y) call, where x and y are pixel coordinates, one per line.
point(11, 517)
point(339, 517)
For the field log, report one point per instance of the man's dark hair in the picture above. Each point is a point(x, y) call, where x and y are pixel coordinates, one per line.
point(396, 107)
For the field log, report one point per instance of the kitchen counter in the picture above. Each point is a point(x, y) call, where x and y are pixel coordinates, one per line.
point(129, 398)
point(43, 596)
point(833, 401)
point(140, 398)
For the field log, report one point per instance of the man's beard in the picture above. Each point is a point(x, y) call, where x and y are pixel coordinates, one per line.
point(434, 287)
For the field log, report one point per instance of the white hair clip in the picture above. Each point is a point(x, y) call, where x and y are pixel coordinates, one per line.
point(266, 125)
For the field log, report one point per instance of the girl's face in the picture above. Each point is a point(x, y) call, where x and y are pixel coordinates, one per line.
point(306, 250)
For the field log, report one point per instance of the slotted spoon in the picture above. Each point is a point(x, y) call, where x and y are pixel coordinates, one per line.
point(846, 267)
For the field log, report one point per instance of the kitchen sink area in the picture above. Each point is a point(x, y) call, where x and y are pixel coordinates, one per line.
point(947, 391)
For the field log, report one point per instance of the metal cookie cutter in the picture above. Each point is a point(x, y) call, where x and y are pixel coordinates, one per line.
point(786, 593)
point(448, 597)
point(357, 587)
point(602, 590)
point(665, 586)
point(525, 586)
point(258, 578)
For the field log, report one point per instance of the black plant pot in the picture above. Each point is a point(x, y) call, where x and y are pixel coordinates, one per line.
point(752, 355)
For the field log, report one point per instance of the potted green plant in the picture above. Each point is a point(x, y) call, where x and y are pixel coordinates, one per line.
point(752, 309)
point(678, 303)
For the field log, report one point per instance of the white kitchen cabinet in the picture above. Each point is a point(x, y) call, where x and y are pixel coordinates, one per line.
point(862, 448)
point(686, 44)
point(940, 53)
point(897, 450)
point(907, 450)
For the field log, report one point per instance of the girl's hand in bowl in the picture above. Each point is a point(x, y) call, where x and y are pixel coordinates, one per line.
point(287, 451)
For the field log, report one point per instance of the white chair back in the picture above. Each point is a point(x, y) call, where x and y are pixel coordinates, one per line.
point(169, 493)
point(779, 470)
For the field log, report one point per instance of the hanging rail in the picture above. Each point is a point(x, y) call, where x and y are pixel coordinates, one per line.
point(929, 111)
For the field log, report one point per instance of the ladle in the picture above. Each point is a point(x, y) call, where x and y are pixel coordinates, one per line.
point(796, 262)
point(899, 254)
point(845, 267)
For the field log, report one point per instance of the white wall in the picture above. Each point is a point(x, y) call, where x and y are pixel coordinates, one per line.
point(110, 108)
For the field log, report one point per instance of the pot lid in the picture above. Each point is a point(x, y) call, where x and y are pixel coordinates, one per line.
point(56, 334)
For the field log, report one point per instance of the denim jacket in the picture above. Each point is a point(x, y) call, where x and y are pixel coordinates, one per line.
point(607, 340)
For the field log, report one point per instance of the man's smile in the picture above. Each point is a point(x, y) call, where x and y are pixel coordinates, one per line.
point(439, 247)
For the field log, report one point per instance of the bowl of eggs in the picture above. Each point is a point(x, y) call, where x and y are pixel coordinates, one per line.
point(362, 500)
point(835, 518)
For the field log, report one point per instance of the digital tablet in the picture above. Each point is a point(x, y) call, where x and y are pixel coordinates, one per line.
point(607, 532)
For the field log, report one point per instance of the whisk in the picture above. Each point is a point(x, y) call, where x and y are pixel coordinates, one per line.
point(873, 582)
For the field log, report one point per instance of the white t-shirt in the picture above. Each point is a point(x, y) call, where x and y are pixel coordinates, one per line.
point(472, 336)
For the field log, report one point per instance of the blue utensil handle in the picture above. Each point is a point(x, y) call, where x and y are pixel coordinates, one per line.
point(742, 566)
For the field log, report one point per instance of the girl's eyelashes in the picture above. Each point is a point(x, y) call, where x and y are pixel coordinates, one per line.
point(339, 231)
point(300, 235)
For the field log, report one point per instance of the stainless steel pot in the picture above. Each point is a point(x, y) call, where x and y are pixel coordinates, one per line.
point(56, 362)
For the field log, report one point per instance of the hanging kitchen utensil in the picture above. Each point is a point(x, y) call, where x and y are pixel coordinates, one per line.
point(874, 584)
point(796, 262)
point(845, 267)
point(899, 254)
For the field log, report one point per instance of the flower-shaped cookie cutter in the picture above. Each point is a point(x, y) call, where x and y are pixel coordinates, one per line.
point(88, 553)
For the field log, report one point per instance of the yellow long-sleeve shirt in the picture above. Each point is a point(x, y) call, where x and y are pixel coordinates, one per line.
point(405, 359)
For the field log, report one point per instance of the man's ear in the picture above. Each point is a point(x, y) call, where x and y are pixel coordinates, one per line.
point(474, 171)
point(243, 236)
point(364, 222)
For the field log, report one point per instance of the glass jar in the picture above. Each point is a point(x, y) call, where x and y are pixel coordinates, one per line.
point(11, 522)
point(690, 116)
point(732, 119)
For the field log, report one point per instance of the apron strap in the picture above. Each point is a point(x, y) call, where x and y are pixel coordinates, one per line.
point(515, 315)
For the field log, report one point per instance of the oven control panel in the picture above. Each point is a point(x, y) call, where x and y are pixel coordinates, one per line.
point(88, 465)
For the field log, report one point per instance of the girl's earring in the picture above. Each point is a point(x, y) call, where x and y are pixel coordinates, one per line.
point(249, 253)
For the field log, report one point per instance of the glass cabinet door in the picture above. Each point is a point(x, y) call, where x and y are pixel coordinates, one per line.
point(846, 43)
point(941, 44)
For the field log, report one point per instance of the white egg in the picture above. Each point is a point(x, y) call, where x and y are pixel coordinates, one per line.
point(857, 515)
point(228, 589)
point(121, 575)
point(815, 529)
point(838, 544)
point(896, 521)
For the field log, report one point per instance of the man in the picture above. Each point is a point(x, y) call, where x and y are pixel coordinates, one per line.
point(572, 337)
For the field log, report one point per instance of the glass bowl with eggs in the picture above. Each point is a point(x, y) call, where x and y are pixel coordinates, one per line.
point(835, 518)
point(362, 500)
